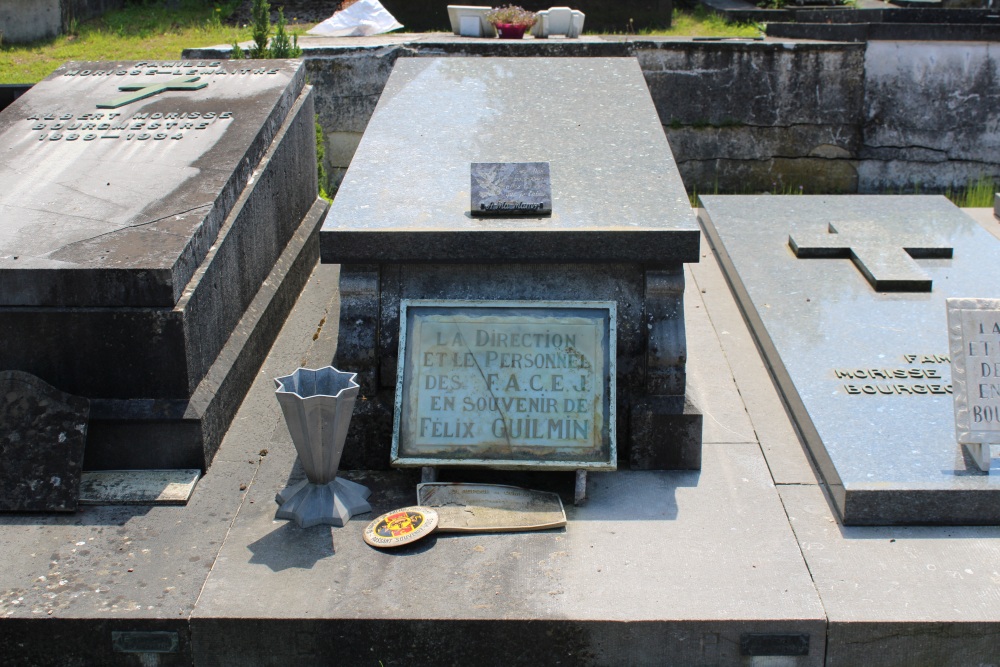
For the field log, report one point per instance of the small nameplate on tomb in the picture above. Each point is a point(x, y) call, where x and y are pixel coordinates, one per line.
point(503, 189)
point(506, 384)
point(974, 341)
point(491, 508)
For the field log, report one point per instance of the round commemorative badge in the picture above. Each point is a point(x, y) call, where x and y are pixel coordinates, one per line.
point(401, 526)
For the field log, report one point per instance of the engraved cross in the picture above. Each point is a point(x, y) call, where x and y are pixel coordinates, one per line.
point(141, 92)
point(884, 257)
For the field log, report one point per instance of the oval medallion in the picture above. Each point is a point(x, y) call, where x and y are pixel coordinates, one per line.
point(401, 526)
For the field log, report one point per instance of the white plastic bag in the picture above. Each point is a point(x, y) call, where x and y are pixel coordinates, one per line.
point(364, 17)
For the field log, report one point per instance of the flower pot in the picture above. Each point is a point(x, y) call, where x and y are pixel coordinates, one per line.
point(317, 405)
point(510, 31)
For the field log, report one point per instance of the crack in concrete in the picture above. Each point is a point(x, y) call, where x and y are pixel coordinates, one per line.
point(142, 224)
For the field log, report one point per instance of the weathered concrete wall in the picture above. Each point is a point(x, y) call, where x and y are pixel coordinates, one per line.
point(30, 20)
point(743, 116)
point(931, 114)
point(759, 115)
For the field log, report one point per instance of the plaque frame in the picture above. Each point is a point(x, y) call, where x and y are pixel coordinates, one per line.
point(599, 455)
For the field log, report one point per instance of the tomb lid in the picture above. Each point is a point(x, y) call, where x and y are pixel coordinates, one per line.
point(115, 177)
point(616, 192)
point(865, 371)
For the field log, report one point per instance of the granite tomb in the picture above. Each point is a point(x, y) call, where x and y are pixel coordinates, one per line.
point(620, 229)
point(157, 220)
point(865, 372)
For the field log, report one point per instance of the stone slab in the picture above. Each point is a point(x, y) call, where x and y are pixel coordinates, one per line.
point(887, 457)
point(710, 379)
point(43, 432)
point(138, 487)
point(171, 348)
point(458, 107)
point(570, 582)
point(734, 347)
point(99, 216)
point(899, 594)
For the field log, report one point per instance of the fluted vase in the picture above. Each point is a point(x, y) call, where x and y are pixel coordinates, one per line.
point(317, 405)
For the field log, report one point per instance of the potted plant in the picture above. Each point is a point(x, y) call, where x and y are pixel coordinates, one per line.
point(511, 21)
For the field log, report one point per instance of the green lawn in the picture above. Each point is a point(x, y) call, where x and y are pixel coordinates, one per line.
point(139, 32)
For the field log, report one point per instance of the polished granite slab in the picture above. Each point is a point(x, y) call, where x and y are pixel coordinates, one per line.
point(865, 373)
point(616, 194)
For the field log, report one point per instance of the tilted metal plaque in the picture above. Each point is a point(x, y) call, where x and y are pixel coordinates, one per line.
point(974, 342)
point(511, 188)
point(491, 508)
point(506, 384)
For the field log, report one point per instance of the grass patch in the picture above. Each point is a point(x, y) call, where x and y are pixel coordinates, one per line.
point(977, 194)
point(141, 31)
point(700, 22)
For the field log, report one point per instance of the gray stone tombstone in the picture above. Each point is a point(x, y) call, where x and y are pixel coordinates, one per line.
point(620, 229)
point(157, 220)
point(865, 371)
point(43, 432)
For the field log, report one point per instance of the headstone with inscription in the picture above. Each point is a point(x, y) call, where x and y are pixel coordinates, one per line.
point(858, 341)
point(558, 188)
point(974, 338)
point(157, 220)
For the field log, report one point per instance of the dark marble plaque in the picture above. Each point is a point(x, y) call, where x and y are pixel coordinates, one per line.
point(504, 189)
point(42, 435)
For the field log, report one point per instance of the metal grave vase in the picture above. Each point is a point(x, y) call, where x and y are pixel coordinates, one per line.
point(318, 404)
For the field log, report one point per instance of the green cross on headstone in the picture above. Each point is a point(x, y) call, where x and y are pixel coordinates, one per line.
point(142, 92)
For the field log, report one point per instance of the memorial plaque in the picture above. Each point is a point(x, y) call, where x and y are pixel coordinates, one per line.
point(506, 384)
point(974, 341)
point(511, 188)
point(491, 508)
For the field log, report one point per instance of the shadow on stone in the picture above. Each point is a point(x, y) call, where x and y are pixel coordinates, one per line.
point(289, 546)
